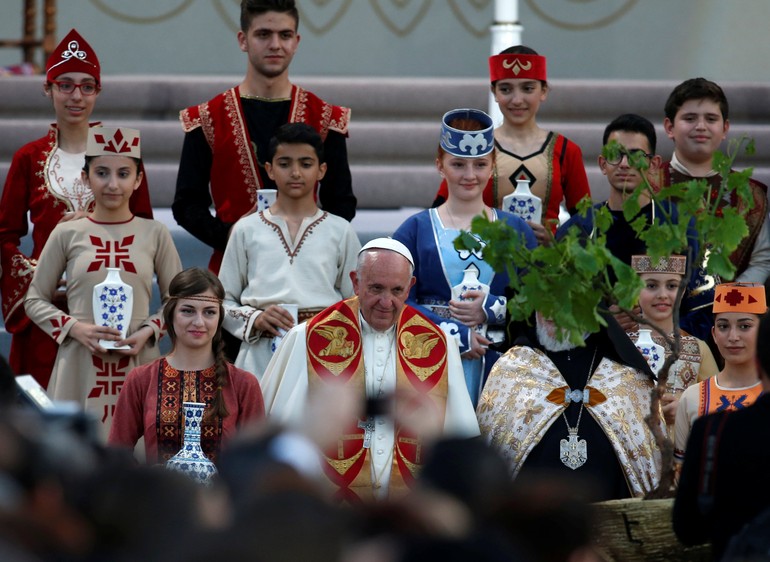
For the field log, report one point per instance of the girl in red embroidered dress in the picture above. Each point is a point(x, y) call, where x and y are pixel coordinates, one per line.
point(44, 187)
point(150, 404)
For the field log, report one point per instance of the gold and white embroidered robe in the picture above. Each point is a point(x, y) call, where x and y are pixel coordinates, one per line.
point(514, 412)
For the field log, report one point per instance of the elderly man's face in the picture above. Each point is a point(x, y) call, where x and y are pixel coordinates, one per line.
point(382, 286)
point(550, 336)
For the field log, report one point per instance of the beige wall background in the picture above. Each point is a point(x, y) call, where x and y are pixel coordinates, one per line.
point(632, 39)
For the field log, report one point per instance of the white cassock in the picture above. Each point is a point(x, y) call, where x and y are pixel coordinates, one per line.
point(285, 386)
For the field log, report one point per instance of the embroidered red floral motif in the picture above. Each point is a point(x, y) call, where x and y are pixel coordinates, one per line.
point(110, 376)
point(58, 325)
point(734, 297)
point(108, 412)
point(117, 252)
point(116, 144)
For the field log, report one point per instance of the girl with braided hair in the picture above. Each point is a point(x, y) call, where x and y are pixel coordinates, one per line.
point(195, 370)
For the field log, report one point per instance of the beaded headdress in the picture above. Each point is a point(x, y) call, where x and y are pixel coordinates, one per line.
point(740, 297)
point(467, 144)
point(113, 141)
point(72, 54)
point(203, 298)
point(516, 65)
point(673, 264)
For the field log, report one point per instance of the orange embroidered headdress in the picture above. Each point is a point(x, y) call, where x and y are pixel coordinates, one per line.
point(740, 297)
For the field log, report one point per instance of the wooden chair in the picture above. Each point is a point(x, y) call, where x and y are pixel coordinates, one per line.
point(30, 41)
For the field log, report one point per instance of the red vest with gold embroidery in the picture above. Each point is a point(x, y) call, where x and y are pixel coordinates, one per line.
point(234, 162)
point(335, 355)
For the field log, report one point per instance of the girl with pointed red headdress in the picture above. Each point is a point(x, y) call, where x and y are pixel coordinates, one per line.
point(44, 187)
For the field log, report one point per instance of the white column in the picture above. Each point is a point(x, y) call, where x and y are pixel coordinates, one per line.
point(506, 32)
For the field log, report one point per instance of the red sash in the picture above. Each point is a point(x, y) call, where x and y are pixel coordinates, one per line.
point(334, 344)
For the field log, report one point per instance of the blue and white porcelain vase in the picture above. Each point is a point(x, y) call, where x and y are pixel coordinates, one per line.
point(292, 309)
point(113, 303)
point(652, 352)
point(470, 282)
point(265, 198)
point(191, 460)
point(523, 203)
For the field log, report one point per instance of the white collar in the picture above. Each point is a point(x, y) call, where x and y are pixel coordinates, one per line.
point(682, 169)
point(367, 330)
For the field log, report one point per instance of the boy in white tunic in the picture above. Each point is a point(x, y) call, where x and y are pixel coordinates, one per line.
point(292, 253)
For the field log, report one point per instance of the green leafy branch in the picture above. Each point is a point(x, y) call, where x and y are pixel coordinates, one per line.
point(567, 280)
point(720, 228)
point(573, 279)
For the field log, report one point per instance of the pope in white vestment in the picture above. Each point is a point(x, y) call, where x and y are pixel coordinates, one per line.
point(375, 342)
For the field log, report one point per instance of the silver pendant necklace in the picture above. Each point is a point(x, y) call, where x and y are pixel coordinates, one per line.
point(573, 451)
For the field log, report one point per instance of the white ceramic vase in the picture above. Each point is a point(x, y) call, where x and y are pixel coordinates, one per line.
point(191, 460)
point(470, 282)
point(523, 203)
point(653, 352)
point(265, 198)
point(292, 309)
point(113, 304)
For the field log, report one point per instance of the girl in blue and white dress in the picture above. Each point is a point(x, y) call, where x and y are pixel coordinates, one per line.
point(457, 289)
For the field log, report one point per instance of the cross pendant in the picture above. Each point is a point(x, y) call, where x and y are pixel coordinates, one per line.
point(368, 427)
point(573, 452)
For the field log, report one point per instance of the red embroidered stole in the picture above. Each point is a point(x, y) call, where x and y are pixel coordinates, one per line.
point(175, 388)
point(335, 356)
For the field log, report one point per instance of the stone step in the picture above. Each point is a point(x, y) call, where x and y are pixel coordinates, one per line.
point(370, 140)
point(158, 97)
point(386, 159)
point(393, 134)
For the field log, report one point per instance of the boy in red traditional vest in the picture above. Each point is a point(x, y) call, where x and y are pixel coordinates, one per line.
point(226, 138)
